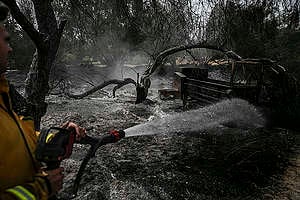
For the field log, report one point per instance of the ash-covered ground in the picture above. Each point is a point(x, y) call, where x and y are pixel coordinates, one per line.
point(228, 154)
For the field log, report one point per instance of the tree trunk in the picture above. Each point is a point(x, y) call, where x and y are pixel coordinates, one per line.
point(46, 40)
point(36, 85)
point(141, 94)
point(37, 81)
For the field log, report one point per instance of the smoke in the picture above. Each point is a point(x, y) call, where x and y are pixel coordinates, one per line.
point(129, 67)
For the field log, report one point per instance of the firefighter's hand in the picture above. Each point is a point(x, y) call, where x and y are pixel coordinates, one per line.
point(80, 131)
point(55, 178)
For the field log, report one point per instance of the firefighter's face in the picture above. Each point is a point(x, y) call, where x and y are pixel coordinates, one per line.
point(5, 49)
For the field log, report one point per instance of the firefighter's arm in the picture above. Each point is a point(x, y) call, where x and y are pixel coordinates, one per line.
point(38, 189)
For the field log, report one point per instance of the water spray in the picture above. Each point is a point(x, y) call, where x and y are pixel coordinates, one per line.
point(233, 112)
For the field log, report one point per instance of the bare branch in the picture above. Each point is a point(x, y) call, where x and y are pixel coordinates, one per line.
point(161, 57)
point(119, 83)
point(28, 27)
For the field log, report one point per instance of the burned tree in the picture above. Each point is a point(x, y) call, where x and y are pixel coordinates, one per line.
point(46, 39)
point(144, 83)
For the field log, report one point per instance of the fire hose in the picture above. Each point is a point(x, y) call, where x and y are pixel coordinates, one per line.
point(56, 144)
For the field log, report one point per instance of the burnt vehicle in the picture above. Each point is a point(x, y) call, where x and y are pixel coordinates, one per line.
point(260, 81)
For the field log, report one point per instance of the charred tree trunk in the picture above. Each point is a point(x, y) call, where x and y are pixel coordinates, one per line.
point(141, 94)
point(36, 86)
point(46, 40)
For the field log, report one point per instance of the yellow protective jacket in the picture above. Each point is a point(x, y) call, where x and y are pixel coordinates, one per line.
point(20, 175)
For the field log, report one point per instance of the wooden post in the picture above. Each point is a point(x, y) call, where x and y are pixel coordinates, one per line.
point(232, 73)
point(181, 88)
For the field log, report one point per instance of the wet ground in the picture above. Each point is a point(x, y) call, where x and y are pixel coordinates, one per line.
point(233, 160)
point(186, 165)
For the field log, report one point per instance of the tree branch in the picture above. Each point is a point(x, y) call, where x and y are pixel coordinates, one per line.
point(120, 83)
point(161, 56)
point(27, 26)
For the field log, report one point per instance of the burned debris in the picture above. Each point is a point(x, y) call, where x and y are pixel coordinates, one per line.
point(262, 82)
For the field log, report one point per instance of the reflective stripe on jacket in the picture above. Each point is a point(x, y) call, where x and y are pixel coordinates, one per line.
point(19, 171)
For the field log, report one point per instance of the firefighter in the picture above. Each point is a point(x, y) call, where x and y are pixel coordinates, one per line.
point(21, 176)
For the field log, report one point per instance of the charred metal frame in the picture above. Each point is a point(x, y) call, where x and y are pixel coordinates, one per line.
point(253, 83)
point(269, 84)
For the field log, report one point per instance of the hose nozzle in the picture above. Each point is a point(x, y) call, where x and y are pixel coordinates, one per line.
point(118, 134)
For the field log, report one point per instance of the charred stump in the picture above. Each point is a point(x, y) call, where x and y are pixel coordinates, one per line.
point(141, 93)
